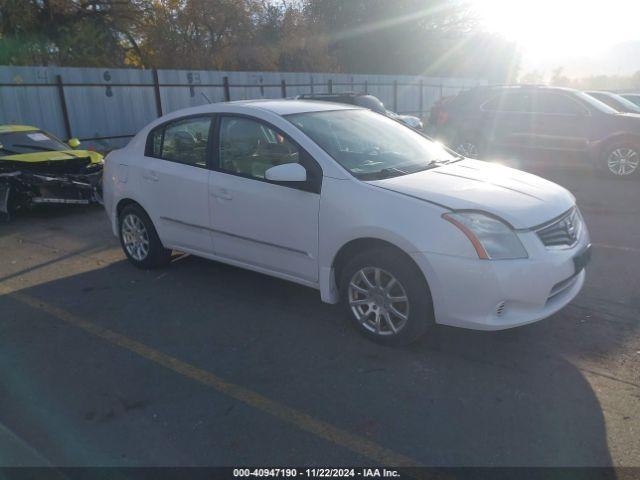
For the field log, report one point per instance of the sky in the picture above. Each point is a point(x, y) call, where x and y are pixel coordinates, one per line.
point(553, 30)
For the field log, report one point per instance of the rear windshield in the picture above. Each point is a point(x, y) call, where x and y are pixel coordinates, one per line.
point(31, 141)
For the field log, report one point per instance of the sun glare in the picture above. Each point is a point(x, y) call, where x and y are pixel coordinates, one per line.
point(548, 29)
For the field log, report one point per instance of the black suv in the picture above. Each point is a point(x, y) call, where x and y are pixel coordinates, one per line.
point(487, 120)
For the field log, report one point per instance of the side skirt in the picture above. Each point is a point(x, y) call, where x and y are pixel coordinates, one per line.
point(249, 266)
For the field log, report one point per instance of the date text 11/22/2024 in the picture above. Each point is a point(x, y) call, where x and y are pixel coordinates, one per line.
point(316, 472)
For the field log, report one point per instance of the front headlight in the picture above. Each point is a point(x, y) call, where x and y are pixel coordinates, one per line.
point(491, 238)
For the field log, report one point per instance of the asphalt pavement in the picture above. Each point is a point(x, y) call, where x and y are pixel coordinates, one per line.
point(206, 364)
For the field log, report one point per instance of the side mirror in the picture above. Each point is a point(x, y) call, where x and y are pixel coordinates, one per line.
point(287, 172)
point(74, 142)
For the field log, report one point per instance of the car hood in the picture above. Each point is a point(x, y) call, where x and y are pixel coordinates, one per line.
point(628, 121)
point(522, 199)
point(53, 155)
point(629, 115)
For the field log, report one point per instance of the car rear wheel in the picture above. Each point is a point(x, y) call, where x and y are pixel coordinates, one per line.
point(622, 160)
point(139, 239)
point(8, 201)
point(386, 297)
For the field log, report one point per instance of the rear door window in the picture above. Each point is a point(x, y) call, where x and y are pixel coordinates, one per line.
point(183, 141)
point(515, 102)
point(557, 104)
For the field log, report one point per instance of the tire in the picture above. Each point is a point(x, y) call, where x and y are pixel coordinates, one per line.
point(418, 311)
point(469, 147)
point(621, 160)
point(7, 196)
point(145, 251)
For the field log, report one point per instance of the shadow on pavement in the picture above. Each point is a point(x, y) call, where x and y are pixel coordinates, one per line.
point(455, 398)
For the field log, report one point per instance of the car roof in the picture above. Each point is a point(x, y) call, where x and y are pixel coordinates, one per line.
point(525, 86)
point(489, 89)
point(16, 128)
point(281, 107)
point(305, 96)
point(476, 95)
point(290, 106)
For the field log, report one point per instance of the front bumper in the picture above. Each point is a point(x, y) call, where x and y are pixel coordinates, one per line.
point(500, 294)
point(23, 189)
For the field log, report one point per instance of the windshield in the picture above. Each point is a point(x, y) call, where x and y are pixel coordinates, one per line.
point(370, 145)
point(620, 103)
point(29, 142)
point(595, 103)
point(635, 99)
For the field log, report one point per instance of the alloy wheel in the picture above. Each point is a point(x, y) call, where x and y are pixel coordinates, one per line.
point(468, 149)
point(378, 301)
point(135, 237)
point(623, 161)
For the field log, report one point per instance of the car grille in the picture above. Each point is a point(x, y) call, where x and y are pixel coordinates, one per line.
point(563, 232)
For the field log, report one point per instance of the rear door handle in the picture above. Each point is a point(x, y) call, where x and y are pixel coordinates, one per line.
point(222, 193)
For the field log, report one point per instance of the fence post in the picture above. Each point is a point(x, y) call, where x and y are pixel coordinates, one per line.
point(440, 89)
point(283, 88)
point(366, 86)
point(330, 86)
point(311, 84)
point(156, 89)
point(63, 106)
point(225, 85)
point(395, 95)
point(421, 96)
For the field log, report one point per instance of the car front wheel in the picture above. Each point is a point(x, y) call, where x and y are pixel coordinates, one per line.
point(469, 148)
point(386, 297)
point(139, 239)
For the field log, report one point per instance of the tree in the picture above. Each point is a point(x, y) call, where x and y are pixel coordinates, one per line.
point(558, 79)
point(532, 78)
point(63, 32)
point(420, 37)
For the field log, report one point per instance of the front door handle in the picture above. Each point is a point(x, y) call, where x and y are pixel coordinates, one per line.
point(150, 175)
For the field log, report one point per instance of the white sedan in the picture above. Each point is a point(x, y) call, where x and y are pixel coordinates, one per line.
point(342, 199)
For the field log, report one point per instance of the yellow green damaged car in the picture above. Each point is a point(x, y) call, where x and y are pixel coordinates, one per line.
point(38, 168)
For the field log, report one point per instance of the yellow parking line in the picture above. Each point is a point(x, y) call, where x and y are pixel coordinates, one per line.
point(303, 421)
point(616, 247)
